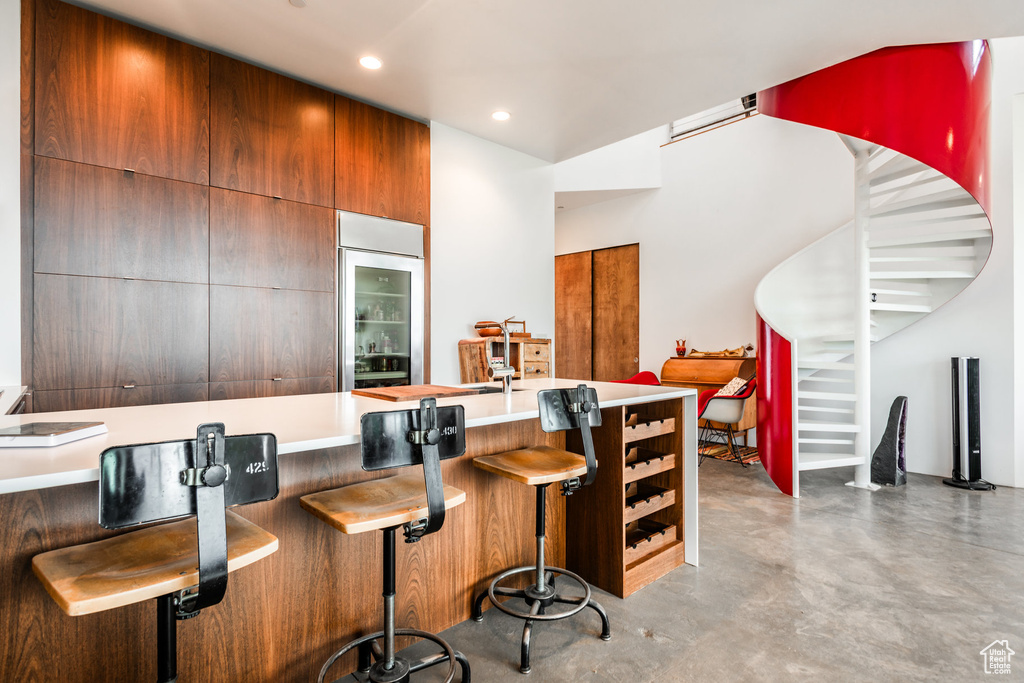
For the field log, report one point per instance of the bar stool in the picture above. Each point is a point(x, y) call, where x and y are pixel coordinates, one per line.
point(393, 439)
point(184, 564)
point(541, 466)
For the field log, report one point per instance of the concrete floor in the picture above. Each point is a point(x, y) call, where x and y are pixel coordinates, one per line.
point(841, 584)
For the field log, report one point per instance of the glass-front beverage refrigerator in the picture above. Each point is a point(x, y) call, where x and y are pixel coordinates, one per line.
point(381, 302)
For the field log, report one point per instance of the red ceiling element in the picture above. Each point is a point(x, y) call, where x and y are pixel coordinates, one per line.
point(930, 102)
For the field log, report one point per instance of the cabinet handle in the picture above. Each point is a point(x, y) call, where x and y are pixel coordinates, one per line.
point(128, 386)
point(275, 379)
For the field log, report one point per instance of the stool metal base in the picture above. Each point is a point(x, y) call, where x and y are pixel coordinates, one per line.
point(539, 601)
point(402, 668)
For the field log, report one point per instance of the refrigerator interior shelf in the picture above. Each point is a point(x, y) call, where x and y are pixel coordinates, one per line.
point(381, 375)
point(385, 294)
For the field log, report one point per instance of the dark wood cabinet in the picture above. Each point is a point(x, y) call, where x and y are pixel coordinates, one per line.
point(383, 163)
point(99, 332)
point(270, 334)
point(262, 242)
point(267, 387)
point(98, 221)
point(269, 134)
point(115, 95)
point(117, 397)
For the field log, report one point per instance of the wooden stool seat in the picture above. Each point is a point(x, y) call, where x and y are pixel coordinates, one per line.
point(535, 465)
point(140, 565)
point(377, 504)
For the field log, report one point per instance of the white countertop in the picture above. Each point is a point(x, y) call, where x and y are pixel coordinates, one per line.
point(301, 423)
point(10, 396)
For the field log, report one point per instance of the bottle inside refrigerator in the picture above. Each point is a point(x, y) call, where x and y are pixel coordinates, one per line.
point(381, 302)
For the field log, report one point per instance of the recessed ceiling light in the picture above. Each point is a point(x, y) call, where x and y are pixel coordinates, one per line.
point(298, 3)
point(371, 62)
point(501, 116)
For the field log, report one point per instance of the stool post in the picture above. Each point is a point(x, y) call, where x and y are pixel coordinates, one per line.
point(166, 640)
point(541, 526)
point(389, 598)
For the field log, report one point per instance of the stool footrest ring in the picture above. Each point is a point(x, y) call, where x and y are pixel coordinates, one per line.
point(532, 595)
point(403, 667)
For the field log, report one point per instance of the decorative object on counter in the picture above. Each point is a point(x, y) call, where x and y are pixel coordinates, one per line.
point(889, 461)
point(738, 352)
point(680, 347)
point(540, 466)
point(184, 565)
point(415, 501)
point(47, 434)
point(487, 328)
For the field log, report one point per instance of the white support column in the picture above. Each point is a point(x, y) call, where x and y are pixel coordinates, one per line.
point(862, 320)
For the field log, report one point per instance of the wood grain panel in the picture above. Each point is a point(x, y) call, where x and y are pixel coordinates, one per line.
point(267, 387)
point(382, 163)
point(573, 319)
point(116, 397)
point(262, 242)
point(27, 257)
point(269, 333)
point(284, 615)
point(270, 135)
point(116, 95)
point(616, 311)
point(97, 332)
point(104, 222)
point(28, 66)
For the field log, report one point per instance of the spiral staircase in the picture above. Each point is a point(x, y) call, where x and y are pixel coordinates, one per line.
point(915, 120)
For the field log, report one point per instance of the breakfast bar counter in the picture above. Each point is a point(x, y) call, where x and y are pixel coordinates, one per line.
point(282, 616)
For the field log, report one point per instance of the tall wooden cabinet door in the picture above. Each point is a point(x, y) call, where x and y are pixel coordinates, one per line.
point(269, 134)
point(94, 332)
point(265, 334)
point(108, 223)
point(616, 306)
point(263, 242)
point(573, 322)
point(383, 163)
point(115, 95)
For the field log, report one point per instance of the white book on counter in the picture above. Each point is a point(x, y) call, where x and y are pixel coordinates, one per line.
point(44, 434)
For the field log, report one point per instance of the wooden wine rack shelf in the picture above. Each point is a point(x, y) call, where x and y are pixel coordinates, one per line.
point(627, 530)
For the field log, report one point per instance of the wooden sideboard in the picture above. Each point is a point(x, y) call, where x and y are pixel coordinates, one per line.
point(711, 373)
point(530, 357)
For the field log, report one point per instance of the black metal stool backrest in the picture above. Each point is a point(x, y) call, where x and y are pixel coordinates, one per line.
point(424, 436)
point(161, 481)
point(565, 409)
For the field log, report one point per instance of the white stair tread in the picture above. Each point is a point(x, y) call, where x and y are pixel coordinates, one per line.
point(838, 380)
point(899, 288)
point(905, 308)
point(884, 187)
point(810, 426)
point(938, 201)
point(826, 396)
point(824, 365)
point(820, 409)
point(843, 338)
point(820, 461)
point(829, 442)
point(923, 252)
point(948, 274)
point(897, 167)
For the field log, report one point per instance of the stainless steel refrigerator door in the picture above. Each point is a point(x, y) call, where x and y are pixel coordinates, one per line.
point(382, 320)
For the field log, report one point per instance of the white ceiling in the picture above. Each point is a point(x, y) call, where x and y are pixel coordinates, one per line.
point(575, 74)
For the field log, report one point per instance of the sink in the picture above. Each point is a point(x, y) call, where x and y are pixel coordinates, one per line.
point(493, 389)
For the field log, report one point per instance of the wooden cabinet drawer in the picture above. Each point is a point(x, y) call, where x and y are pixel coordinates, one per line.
point(263, 242)
point(535, 370)
point(117, 397)
point(93, 332)
point(536, 352)
point(268, 387)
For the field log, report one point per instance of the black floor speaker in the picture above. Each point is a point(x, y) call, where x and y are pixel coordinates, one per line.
point(966, 426)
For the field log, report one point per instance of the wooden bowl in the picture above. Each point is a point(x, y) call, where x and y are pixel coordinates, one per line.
point(487, 328)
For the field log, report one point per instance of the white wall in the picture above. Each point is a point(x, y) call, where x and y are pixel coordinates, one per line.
point(10, 192)
point(492, 245)
point(734, 202)
point(978, 322)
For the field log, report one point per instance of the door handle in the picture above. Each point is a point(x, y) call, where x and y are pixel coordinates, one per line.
point(636, 360)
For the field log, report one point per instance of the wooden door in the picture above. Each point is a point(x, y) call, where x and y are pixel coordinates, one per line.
point(573, 316)
point(382, 163)
point(115, 95)
point(269, 134)
point(616, 312)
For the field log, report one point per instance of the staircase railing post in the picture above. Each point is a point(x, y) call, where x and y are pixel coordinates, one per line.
point(862, 318)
